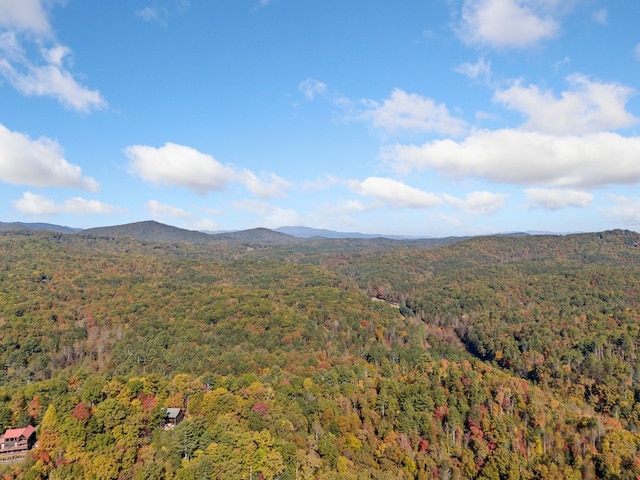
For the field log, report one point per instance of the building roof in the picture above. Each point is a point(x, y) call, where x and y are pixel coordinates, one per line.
point(173, 412)
point(18, 432)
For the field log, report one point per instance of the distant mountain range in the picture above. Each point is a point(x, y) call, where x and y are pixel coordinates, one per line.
point(308, 232)
point(13, 226)
point(149, 230)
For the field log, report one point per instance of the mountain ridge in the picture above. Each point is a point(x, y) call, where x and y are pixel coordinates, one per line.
point(150, 230)
point(290, 230)
point(40, 226)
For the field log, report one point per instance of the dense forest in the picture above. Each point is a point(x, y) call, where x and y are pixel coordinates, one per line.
point(501, 357)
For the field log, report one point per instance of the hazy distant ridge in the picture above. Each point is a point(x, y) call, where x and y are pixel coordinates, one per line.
point(308, 232)
point(153, 230)
point(48, 227)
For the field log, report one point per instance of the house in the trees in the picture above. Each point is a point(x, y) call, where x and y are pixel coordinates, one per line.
point(17, 441)
point(173, 417)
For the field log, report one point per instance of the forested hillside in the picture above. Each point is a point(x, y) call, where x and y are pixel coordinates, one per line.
point(507, 357)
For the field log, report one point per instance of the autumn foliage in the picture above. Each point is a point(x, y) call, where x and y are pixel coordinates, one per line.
point(492, 358)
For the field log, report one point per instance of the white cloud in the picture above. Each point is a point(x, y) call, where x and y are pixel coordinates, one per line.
point(161, 14)
point(53, 81)
point(561, 63)
point(590, 106)
point(34, 204)
point(80, 206)
point(56, 54)
point(45, 76)
point(24, 15)
point(600, 16)
point(637, 51)
point(626, 210)
point(478, 203)
point(512, 156)
point(507, 23)
point(311, 87)
point(271, 216)
point(411, 112)
point(270, 186)
point(205, 225)
point(479, 70)
point(38, 163)
point(151, 14)
point(394, 193)
point(350, 206)
point(161, 210)
point(180, 166)
point(556, 198)
point(322, 183)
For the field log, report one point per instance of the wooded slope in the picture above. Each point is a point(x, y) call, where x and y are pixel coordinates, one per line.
point(496, 357)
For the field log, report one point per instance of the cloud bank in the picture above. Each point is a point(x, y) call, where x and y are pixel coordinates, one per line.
point(516, 157)
point(38, 163)
point(174, 165)
point(35, 204)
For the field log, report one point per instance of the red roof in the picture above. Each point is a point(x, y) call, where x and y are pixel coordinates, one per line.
point(18, 432)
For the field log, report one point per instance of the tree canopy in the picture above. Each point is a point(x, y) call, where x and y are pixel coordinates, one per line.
point(510, 357)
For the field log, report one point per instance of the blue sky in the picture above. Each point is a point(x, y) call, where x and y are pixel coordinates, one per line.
point(429, 117)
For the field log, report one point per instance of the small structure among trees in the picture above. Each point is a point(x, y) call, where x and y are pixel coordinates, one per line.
point(173, 417)
point(16, 442)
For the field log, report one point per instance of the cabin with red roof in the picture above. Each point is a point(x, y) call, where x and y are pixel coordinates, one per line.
point(17, 441)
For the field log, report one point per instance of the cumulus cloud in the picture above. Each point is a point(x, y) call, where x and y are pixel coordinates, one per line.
point(24, 15)
point(272, 216)
point(37, 205)
point(590, 106)
point(478, 203)
point(507, 23)
point(56, 54)
point(394, 193)
point(556, 198)
point(518, 157)
point(625, 210)
point(44, 76)
point(38, 163)
point(181, 166)
point(312, 87)
point(351, 206)
point(162, 210)
point(404, 111)
point(269, 186)
point(566, 141)
point(475, 71)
